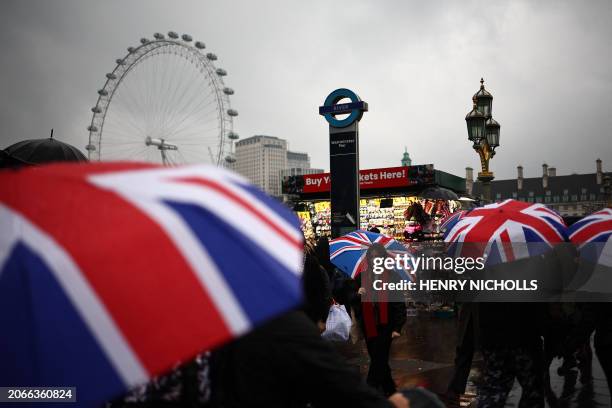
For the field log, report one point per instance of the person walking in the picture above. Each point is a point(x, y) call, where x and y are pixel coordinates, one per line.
point(466, 344)
point(511, 345)
point(381, 321)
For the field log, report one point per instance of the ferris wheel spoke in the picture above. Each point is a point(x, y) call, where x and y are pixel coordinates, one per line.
point(199, 107)
point(197, 137)
point(184, 101)
point(208, 130)
point(187, 123)
point(126, 122)
point(130, 107)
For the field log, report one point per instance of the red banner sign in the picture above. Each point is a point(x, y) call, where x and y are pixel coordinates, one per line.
point(368, 179)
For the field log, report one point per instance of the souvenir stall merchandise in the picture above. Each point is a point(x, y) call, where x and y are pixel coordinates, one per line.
point(316, 220)
point(306, 224)
point(409, 219)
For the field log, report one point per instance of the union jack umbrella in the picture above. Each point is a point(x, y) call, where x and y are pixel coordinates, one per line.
point(451, 219)
point(112, 273)
point(506, 231)
point(593, 237)
point(348, 252)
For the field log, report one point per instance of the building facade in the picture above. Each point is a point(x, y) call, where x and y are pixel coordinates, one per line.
point(297, 160)
point(573, 195)
point(261, 159)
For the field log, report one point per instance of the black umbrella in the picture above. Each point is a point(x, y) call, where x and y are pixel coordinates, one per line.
point(39, 151)
point(438, 193)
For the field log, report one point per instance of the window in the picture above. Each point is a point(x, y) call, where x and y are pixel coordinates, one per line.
point(547, 199)
point(574, 197)
point(592, 197)
point(556, 199)
point(498, 196)
point(548, 192)
point(531, 194)
point(584, 191)
point(514, 194)
point(539, 199)
point(565, 192)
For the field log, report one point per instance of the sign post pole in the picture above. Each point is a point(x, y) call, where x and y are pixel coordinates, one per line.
point(344, 159)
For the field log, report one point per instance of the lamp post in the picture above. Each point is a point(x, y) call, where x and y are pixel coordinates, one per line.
point(483, 132)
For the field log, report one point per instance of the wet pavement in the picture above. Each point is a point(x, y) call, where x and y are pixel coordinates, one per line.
point(424, 355)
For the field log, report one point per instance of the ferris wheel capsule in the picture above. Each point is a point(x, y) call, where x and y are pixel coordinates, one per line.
point(96, 109)
point(131, 49)
point(200, 45)
point(221, 72)
point(228, 91)
point(102, 92)
point(211, 56)
point(92, 128)
point(144, 41)
point(158, 36)
point(173, 35)
point(232, 112)
point(233, 136)
point(186, 37)
point(120, 61)
point(110, 75)
point(230, 159)
point(90, 147)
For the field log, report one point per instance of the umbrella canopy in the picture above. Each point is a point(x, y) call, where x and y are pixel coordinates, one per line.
point(593, 237)
point(506, 231)
point(348, 252)
point(39, 151)
point(451, 220)
point(438, 193)
point(111, 273)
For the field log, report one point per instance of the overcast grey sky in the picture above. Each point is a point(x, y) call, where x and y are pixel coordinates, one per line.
point(417, 64)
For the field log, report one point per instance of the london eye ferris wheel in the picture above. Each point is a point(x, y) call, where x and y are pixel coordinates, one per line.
point(166, 102)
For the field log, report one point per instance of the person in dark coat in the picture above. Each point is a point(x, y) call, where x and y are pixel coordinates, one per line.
point(342, 287)
point(381, 321)
point(510, 336)
point(596, 317)
point(317, 292)
point(467, 325)
point(287, 364)
point(321, 250)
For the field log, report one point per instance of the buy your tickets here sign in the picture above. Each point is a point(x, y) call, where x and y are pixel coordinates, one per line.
point(373, 178)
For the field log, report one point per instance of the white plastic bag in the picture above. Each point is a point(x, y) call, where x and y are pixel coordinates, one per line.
point(338, 324)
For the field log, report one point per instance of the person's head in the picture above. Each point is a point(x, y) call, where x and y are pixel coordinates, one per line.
point(376, 250)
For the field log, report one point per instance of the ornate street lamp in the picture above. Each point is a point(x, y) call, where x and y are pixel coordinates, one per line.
point(476, 124)
point(492, 132)
point(483, 132)
point(484, 100)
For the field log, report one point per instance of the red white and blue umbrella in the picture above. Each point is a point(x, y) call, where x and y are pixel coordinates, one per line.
point(451, 219)
point(348, 252)
point(112, 273)
point(506, 231)
point(593, 237)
